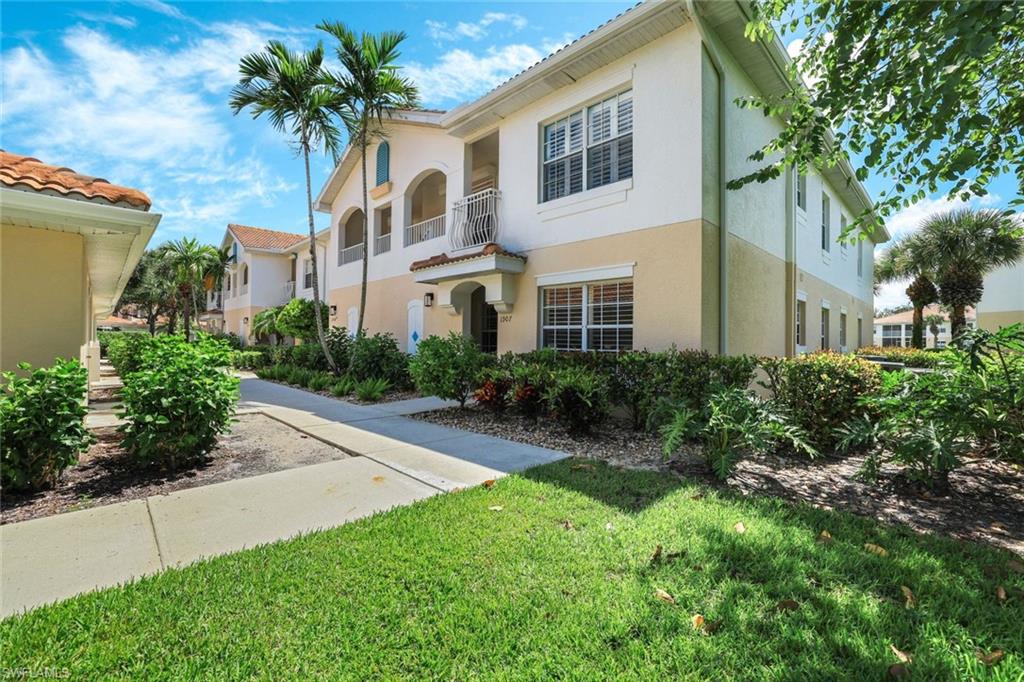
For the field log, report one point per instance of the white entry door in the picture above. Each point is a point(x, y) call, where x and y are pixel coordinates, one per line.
point(353, 321)
point(415, 326)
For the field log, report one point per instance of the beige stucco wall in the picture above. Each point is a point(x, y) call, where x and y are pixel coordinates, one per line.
point(45, 307)
point(232, 318)
point(757, 300)
point(816, 291)
point(994, 320)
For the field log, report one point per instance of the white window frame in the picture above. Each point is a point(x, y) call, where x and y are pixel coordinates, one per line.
point(826, 223)
point(307, 272)
point(584, 325)
point(860, 258)
point(586, 143)
point(800, 323)
point(801, 191)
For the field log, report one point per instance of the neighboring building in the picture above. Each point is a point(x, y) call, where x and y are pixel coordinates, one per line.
point(582, 205)
point(898, 329)
point(1002, 302)
point(69, 243)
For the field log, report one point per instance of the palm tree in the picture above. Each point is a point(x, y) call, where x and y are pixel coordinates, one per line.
point(962, 246)
point(295, 91)
point(264, 323)
point(189, 262)
point(932, 322)
point(371, 89)
point(901, 262)
point(150, 288)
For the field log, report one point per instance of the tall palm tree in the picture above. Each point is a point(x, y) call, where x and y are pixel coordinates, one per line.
point(371, 89)
point(901, 262)
point(962, 246)
point(297, 94)
point(189, 262)
point(933, 322)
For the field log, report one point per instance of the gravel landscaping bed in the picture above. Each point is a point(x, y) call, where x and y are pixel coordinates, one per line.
point(106, 474)
point(986, 503)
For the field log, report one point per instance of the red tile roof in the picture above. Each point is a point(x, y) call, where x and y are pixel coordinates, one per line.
point(489, 249)
point(262, 238)
point(25, 172)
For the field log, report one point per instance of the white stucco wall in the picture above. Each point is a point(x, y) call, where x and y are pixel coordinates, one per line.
point(1004, 290)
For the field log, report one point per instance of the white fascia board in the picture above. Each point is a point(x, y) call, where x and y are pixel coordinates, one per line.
point(494, 263)
point(622, 271)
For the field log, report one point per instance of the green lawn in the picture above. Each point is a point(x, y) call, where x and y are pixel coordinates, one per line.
point(450, 588)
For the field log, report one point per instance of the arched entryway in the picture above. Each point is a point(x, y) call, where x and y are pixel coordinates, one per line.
point(479, 318)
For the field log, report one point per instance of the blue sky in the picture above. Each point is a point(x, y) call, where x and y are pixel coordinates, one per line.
point(136, 92)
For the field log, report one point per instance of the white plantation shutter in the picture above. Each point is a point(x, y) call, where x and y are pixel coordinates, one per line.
point(625, 113)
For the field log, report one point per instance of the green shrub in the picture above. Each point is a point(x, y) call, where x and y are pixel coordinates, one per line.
point(309, 355)
point(247, 359)
point(339, 343)
point(733, 423)
point(494, 389)
point(633, 385)
point(320, 381)
point(179, 401)
point(343, 387)
point(372, 390)
point(821, 391)
point(280, 355)
point(42, 426)
point(379, 357)
point(530, 383)
point(231, 339)
point(104, 338)
point(578, 398)
point(448, 367)
point(910, 357)
point(125, 352)
point(298, 319)
point(300, 376)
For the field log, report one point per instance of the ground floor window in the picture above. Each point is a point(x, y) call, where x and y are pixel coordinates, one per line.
point(842, 330)
point(489, 330)
point(824, 328)
point(801, 317)
point(581, 317)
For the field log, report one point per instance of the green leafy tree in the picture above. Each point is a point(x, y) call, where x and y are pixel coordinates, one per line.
point(264, 323)
point(926, 94)
point(962, 246)
point(189, 262)
point(298, 96)
point(933, 322)
point(298, 318)
point(900, 262)
point(150, 289)
point(371, 89)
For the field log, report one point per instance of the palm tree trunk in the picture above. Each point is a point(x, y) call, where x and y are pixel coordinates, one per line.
point(917, 336)
point(187, 315)
point(312, 256)
point(366, 242)
point(957, 321)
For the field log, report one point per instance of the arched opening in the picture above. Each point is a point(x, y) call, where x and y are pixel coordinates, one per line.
point(479, 318)
point(383, 163)
point(350, 238)
point(425, 207)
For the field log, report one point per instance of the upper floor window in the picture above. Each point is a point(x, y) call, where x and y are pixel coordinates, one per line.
point(307, 274)
point(588, 148)
point(383, 163)
point(801, 191)
point(826, 223)
point(245, 275)
point(842, 231)
point(860, 257)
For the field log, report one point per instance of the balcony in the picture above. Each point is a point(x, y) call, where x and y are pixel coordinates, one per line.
point(351, 254)
point(424, 230)
point(382, 244)
point(475, 219)
point(214, 300)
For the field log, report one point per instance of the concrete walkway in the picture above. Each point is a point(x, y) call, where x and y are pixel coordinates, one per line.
point(394, 460)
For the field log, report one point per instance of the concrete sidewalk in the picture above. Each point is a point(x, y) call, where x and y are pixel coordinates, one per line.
point(394, 461)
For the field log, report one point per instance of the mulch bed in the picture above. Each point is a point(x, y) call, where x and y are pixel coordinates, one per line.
point(986, 503)
point(106, 474)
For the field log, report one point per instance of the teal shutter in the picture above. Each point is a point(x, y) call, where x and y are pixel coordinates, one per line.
point(383, 163)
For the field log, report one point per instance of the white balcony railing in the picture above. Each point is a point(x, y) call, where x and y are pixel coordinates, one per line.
point(382, 244)
point(351, 254)
point(475, 219)
point(214, 300)
point(422, 231)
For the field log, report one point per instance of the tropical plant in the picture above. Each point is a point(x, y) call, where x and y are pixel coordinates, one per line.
point(962, 246)
point(42, 419)
point(934, 322)
point(189, 262)
point(125, 352)
point(295, 91)
point(298, 318)
point(495, 385)
point(370, 89)
point(264, 323)
point(448, 367)
point(578, 398)
point(179, 401)
point(904, 261)
point(371, 390)
point(378, 357)
point(320, 381)
point(948, 71)
point(150, 289)
point(343, 386)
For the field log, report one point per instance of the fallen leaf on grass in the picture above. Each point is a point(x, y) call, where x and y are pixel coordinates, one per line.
point(698, 621)
point(609, 526)
point(567, 524)
point(489, 483)
point(664, 596)
point(902, 656)
point(876, 549)
point(911, 599)
point(788, 605)
point(824, 537)
point(1000, 593)
point(496, 507)
point(656, 556)
point(581, 465)
point(698, 496)
point(740, 528)
point(990, 658)
point(712, 626)
point(898, 671)
point(1015, 566)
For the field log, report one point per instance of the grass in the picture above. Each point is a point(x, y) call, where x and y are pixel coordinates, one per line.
point(558, 582)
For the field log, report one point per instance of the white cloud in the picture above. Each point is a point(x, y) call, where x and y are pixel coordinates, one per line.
point(440, 30)
point(461, 75)
point(116, 19)
point(160, 8)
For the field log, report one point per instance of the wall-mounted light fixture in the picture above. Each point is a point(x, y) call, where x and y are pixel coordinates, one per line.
point(334, 311)
point(245, 320)
point(428, 299)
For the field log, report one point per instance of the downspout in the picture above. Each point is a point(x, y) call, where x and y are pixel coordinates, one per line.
point(723, 230)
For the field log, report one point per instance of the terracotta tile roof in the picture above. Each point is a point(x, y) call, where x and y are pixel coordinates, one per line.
point(489, 249)
point(25, 172)
point(907, 316)
point(262, 238)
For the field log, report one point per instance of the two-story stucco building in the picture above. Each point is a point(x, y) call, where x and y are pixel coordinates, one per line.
point(582, 205)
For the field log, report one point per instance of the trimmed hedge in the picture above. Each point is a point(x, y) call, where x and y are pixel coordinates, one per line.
point(910, 357)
